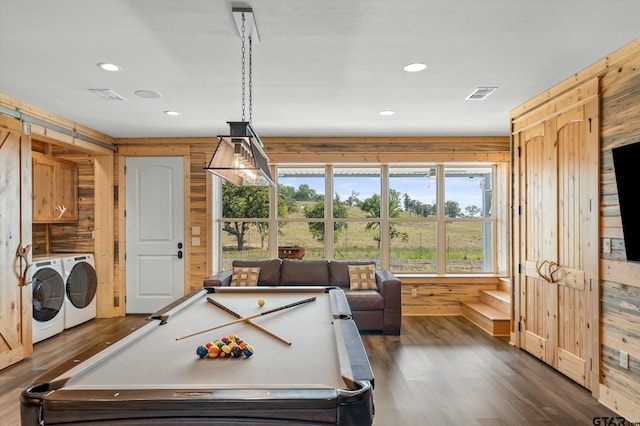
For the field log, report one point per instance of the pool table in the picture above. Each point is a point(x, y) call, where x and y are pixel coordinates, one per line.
point(153, 375)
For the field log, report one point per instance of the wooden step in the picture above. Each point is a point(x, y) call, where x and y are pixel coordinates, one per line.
point(489, 319)
point(504, 284)
point(498, 299)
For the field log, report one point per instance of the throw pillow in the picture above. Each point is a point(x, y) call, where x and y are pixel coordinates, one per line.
point(244, 277)
point(362, 277)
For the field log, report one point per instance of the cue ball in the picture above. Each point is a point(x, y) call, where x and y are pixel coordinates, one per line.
point(261, 302)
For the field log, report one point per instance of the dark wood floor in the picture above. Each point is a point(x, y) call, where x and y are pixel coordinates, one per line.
point(439, 371)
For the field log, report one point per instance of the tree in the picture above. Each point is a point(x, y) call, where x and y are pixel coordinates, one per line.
point(317, 228)
point(306, 193)
point(473, 211)
point(452, 209)
point(247, 202)
point(372, 206)
point(288, 196)
point(353, 200)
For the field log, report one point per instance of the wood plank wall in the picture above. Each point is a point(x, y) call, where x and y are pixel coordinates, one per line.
point(620, 280)
point(620, 309)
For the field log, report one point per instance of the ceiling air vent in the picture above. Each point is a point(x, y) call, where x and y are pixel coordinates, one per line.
point(480, 93)
point(107, 94)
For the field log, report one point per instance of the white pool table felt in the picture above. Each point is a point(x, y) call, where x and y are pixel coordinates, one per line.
point(158, 361)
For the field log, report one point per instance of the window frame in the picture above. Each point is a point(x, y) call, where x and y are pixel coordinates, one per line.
point(385, 242)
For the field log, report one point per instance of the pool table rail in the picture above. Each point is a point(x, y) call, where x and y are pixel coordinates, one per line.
point(56, 398)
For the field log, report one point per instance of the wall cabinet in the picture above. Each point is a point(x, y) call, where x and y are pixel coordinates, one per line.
point(55, 189)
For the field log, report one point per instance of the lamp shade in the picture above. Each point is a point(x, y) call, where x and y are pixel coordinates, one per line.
point(239, 157)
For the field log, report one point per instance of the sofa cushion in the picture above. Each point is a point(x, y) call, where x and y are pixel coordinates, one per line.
point(244, 276)
point(339, 272)
point(304, 272)
point(362, 277)
point(269, 270)
point(364, 300)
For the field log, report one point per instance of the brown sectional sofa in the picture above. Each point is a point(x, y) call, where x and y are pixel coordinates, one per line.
point(373, 310)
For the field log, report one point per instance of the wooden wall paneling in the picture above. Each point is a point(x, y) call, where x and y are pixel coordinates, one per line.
point(502, 202)
point(40, 239)
point(517, 204)
point(199, 244)
point(119, 235)
point(606, 66)
point(104, 235)
point(405, 157)
point(440, 295)
point(563, 104)
point(620, 309)
point(589, 212)
point(56, 137)
point(385, 150)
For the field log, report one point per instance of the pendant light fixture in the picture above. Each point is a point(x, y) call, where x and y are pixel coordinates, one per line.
point(239, 157)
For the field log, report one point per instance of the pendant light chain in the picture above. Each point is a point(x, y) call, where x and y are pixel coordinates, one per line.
point(250, 82)
point(243, 66)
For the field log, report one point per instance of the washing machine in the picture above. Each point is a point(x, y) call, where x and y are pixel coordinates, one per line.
point(81, 283)
point(48, 297)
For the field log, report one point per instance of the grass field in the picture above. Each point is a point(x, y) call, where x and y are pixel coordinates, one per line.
point(417, 254)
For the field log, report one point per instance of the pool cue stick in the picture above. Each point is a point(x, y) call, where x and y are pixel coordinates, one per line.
point(258, 326)
point(290, 305)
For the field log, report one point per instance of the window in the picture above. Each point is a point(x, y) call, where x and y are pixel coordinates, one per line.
point(413, 211)
point(467, 211)
point(244, 222)
point(426, 218)
point(302, 190)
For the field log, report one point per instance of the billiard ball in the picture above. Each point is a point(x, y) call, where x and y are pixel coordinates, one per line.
point(261, 302)
point(202, 351)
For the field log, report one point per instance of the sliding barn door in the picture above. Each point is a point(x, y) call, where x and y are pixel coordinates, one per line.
point(15, 241)
point(559, 169)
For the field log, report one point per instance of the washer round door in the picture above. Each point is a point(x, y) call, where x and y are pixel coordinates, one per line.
point(48, 294)
point(82, 284)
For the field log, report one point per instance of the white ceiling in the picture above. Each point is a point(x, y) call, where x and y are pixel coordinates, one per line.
point(322, 68)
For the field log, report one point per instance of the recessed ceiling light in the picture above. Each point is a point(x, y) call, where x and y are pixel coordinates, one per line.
point(387, 112)
point(147, 94)
point(109, 67)
point(415, 67)
point(172, 113)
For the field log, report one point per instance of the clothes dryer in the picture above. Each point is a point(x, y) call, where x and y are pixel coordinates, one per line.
point(48, 298)
point(81, 284)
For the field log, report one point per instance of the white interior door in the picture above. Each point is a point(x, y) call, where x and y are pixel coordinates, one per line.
point(154, 232)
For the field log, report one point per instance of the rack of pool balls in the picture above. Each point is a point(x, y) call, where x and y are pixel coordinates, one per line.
point(230, 346)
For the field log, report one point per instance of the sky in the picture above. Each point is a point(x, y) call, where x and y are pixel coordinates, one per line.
point(465, 190)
